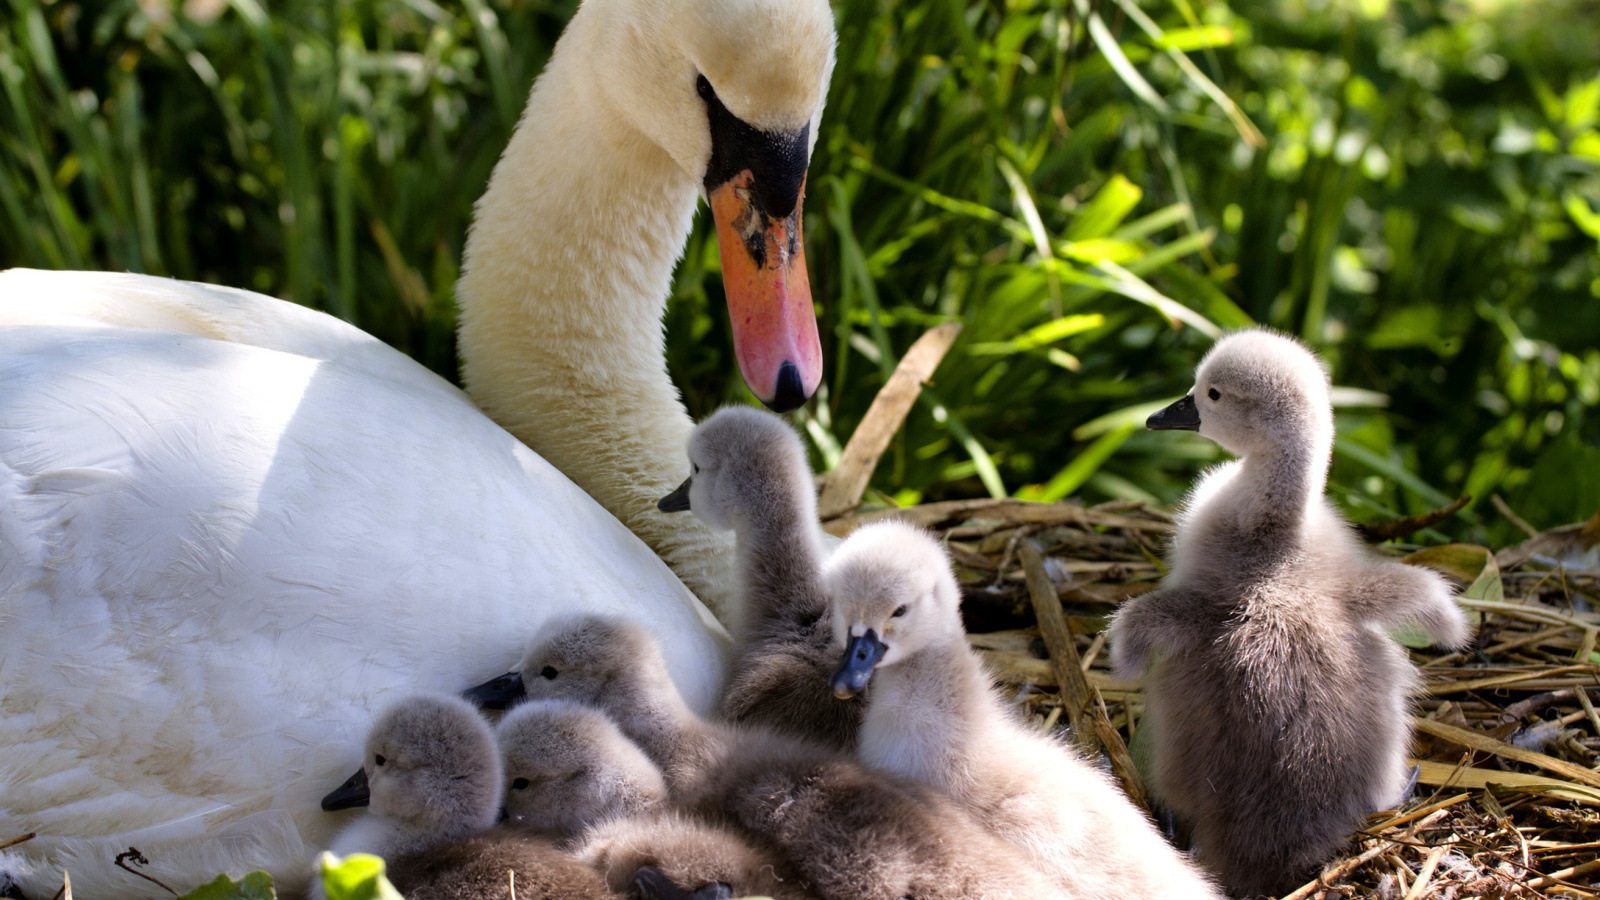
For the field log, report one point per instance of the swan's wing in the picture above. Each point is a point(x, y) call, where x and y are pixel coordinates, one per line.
point(216, 558)
point(229, 315)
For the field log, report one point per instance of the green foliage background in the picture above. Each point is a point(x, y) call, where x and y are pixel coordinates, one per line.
point(1092, 188)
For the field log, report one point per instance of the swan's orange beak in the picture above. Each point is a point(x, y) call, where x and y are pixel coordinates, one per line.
point(769, 294)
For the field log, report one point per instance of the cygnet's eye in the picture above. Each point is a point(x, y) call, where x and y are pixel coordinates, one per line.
point(702, 86)
point(898, 611)
point(549, 673)
point(520, 784)
point(1214, 394)
point(380, 760)
point(694, 469)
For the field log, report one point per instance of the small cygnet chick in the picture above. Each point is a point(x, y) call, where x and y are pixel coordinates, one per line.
point(934, 717)
point(1278, 708)
point(845, 831)
point(749, 475)
point(432, 775)
point(568, 767)
point(571, 774)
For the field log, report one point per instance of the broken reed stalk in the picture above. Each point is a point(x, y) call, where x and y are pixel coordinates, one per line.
point(1378, 532)
point(1476, 741)
point(1064, 661)
point(842, 488)
point(18, 840)
point(1425, 875)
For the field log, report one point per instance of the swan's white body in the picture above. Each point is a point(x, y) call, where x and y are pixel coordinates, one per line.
point(216, 557)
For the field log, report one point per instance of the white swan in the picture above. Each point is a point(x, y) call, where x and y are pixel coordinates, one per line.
point(230, 526)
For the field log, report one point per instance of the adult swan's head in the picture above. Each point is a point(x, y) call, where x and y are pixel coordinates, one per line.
point(645, 107)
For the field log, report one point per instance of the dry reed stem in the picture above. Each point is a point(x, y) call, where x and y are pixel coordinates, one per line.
point(842, 488)
point(1476, 741)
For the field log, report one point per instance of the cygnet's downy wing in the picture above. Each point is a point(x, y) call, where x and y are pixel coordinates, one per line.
point(783, 684)
point(679, 857)
point(1167, 620)
point(496, 865)
point(1392, 594)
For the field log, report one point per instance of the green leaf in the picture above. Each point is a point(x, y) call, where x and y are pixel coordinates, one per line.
point(1578, 209)
point(255, 886)
point(1101, 215)
point(1040, 335)
point(358, 876)
point(1075, 473)
point(1201, 38)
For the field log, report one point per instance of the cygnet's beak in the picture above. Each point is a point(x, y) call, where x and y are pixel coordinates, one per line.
point(349, 795)
point(500, 692)
point(1180, 416)
point(860, 657)
point(678, 500)
point(754, 183)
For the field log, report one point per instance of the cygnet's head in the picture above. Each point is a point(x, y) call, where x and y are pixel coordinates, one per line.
point(891, 593)
point(432, 766)
point(568, 767)
point(1256, 391)
point(592, 660)
point(743, 463)
point(733, 91)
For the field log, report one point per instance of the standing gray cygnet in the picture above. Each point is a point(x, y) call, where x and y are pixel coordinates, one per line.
point(1278, 707)
point(749, 475)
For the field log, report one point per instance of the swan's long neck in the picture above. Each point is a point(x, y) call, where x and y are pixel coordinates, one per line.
point(1276, 488)
point(566, 275)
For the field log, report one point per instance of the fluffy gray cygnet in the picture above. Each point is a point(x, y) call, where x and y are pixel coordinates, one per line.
point(433, 794)
point(935, 718)
point(432, 774)
point(572, 775)
point(845, 831)
point(749, 475)
point(1278, 707)
point(568, 767)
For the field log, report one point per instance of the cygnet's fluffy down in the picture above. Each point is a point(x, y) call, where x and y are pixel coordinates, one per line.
point(500, 864)
point(934, 717)
point(685, 852)
point(432, 775)
point(749, 475)
point(845, 831)
point(572, 775)
point(433, 794)
point(568, 768)
point(1278, 707)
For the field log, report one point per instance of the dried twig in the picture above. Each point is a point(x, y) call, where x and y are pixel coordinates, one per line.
point(1389, 529)
point(1075, 692)
point(841, 490)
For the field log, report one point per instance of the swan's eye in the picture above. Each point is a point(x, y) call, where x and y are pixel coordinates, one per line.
point(898, 611)
point(702, 86)
point(549, 673)
point(694, 469)
point(380, 760)
point(520, 784)
point(1214, 394)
